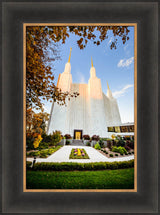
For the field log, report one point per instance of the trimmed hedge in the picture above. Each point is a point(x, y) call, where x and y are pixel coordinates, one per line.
point(70, 166)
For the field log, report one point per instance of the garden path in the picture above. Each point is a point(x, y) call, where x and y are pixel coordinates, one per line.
point(62, 155)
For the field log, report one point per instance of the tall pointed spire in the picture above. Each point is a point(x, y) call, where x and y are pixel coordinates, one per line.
point(108, 85)
point(69, 55)
point(109, 92)
point(91, 62)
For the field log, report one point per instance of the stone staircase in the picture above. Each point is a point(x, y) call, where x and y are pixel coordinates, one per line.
point(77, 143)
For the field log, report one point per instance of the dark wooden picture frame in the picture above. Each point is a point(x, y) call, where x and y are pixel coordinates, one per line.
point(14, 200)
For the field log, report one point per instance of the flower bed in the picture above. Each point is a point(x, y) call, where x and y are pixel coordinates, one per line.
point(78, 154)
point(43, 153)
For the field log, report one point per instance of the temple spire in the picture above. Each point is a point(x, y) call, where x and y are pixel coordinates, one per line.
point(91, 62)
point(109, 93)
point(108, 85)
point(69, 55)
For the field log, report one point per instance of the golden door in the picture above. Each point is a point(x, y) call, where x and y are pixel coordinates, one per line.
point(78, 135)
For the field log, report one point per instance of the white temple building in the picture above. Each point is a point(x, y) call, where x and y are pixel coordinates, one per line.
point(90, 113)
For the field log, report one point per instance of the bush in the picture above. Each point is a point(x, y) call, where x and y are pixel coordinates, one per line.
point(111, 155)
point(43, 153)
point(114, 142)
point(131, 144)
point(29, 141)
point(127, 138)
point(116, 154)
point(46, 138)
point(88, 144)
point(28, 164)
point(86, 137)
point(32, 154)
point(67, 142)
point(127, 148)
point(67, 136)
point(43, 145)
point(121, 142)
point(119, 149)
point(101, 143)
point(97, 146)
point(95, 137)
point(69, 166)
point(109, 144)
point(56, 138)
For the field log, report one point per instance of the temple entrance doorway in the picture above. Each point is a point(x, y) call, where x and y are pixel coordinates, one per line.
point(77, 134)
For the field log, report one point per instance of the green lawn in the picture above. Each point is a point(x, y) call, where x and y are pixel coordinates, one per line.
point(104, 179)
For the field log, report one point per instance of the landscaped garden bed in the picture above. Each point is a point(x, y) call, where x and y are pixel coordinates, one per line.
point(116, 147)
point(43, 153)
point(113, 154)
point(78, 153)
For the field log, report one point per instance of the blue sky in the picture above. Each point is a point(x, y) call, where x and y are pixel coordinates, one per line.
point(114, 66)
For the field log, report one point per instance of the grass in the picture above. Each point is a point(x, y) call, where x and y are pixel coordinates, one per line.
point(104, 179)
point(78, 154)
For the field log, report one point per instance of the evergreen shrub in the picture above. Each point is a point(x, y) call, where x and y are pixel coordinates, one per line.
point(71, 166)
point(97, 146)
point(119, 149)
point(101, 143)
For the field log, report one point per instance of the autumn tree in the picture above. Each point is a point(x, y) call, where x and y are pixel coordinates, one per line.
point(36, 122)
point(39, 78)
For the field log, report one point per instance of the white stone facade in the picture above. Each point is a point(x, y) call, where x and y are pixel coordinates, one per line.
point(92, 111)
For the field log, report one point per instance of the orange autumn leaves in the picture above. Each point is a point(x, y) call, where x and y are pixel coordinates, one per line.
point(35, 122)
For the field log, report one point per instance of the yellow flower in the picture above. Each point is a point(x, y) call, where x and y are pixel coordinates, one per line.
point(37, 141)
point(79, 152)
point(113, 136)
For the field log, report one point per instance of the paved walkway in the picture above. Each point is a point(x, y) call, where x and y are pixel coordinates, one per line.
point(62, 155)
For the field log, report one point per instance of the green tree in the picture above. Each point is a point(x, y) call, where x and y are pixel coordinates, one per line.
point(56, 138)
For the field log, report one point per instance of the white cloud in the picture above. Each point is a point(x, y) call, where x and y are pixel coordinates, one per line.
point(125, 62)
point(121, 92)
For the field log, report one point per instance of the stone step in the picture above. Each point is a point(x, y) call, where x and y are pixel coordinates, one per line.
point(77, 143)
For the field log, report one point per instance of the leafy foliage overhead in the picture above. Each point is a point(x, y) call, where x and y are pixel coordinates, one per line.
point(39, 78)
